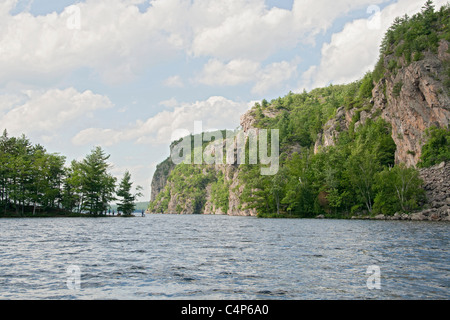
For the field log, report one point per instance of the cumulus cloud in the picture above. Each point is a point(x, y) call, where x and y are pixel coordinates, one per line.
point(241, 71)
point(235, 72)
point(249, 30)
point(274, 75)
point(117, 40)
point(174, 82)
point(44, 112)
point(214, 113)
point(113, 38)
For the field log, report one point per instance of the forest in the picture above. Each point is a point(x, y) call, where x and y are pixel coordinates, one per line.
point(34, 182)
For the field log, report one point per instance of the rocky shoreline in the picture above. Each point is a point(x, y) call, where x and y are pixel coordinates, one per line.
point(437, 190)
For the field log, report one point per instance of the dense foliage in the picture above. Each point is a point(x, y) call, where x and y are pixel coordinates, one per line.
point(351, 176)
point(30, 177)
point(437, 147)
point(33, 181)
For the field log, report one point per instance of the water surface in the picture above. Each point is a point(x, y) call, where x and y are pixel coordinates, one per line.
point(222, 257)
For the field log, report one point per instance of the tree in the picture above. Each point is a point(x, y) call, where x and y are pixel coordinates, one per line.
point(97, 184)
point(398, 189)
point(365, 90)
point(277, 186)
point(361, 170)
point(428, 8)
point(437, 147)
point(127, 200)
point(72, 196)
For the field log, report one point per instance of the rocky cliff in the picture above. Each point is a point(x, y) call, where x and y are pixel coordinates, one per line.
point(409, 89)
point(411, 98)
point(160, 177)
point(176, 189)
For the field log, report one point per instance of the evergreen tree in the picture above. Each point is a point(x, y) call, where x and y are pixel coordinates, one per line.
point(97, 184)
point(126, 199)
point(72, 196)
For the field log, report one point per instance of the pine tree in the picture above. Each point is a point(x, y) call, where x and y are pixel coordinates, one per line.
point(428, 7)
point(97, 184)
point(127, 200)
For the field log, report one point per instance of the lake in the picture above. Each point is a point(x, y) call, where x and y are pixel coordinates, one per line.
point(169, 257)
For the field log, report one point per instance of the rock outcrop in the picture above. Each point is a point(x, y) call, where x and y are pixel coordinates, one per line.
point(333, 128)
point(175, 202)
point(160, 177)
point(437, 189)
point(413, 99)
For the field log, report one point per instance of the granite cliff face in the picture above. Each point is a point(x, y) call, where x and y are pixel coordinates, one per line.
point(160, 177)
point(414, 99)
point(333, 128)
point(411, 98)
point(167, 198)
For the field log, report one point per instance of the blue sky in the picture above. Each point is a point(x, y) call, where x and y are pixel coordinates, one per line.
point(125, 74)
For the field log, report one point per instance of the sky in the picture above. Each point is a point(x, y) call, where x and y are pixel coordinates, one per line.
point(126, 74)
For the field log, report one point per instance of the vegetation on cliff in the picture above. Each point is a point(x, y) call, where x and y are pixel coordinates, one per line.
point(437, 147)
point(351, 176)
point(410, 37)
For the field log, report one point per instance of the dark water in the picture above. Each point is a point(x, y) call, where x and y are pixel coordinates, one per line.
point(221, 257)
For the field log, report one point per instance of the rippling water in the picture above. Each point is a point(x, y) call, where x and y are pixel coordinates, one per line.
point(222, 257)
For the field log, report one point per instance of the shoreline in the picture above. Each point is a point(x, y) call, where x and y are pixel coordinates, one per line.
point(425, 215)
point(69, 215)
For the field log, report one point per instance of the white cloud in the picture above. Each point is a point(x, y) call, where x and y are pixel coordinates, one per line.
point(113, 38)
point(241, 71)
point(274, 75)
point(235, 72)
point(174, 82)
point(118, 41)
point(248, 30)
point(170, 103)
point(215, 113)
point(44, 112)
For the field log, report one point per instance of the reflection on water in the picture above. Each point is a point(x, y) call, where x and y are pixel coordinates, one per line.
point(221, 257)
